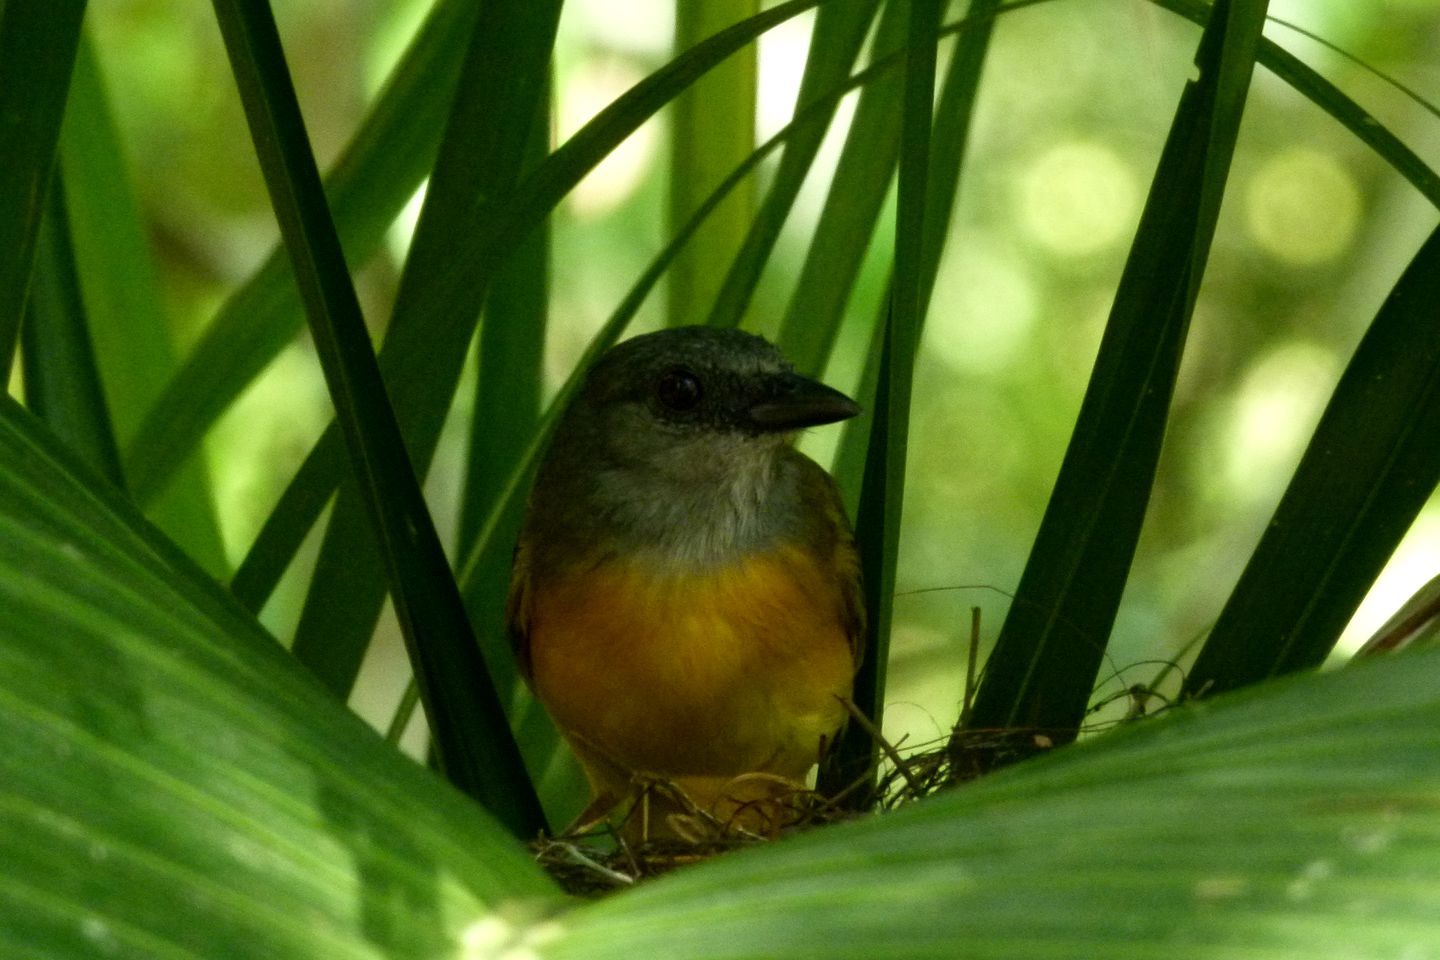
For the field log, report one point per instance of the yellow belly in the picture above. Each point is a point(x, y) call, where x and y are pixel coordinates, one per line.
point(704, 674)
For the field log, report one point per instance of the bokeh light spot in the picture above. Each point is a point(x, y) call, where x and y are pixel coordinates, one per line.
point(1274, 413)
point(1414, 562)
point(589, 88)
point(983, 307)
point(1078, 198)
point(1302, 207)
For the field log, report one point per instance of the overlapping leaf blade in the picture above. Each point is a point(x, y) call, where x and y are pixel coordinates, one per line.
point(450, 302)
point(1051, 645)
point(1372, 463)
point(62, 384)
point(502, 86)
point(38, 39)
point(371, 182)
point(471, 734)
point(125, 313)
point(877, 525)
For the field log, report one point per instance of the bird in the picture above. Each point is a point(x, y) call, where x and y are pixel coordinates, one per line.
point(685, 593)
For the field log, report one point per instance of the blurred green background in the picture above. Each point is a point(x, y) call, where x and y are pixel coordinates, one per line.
point(1075, 102)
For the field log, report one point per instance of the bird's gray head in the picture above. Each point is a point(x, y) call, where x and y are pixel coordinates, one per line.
point(680, 432)
point(694, 381)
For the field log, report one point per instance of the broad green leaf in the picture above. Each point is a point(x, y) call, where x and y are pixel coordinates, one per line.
point(471, 734)
point(1051, 645)
point(1296, 819)
point(173, 785)
point(1372, 463)
point(37, 49)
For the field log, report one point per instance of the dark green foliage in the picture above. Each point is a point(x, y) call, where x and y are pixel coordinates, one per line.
point(173, 782)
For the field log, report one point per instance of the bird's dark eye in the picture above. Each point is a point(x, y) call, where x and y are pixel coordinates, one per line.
point(679, 389)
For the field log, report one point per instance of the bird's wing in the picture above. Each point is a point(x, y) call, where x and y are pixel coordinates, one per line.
point(517, 609)
point(835, 537)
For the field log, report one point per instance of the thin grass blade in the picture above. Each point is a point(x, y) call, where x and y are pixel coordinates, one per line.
point(1370, 467)
point(712, 128)
point(840, 30)
point(472, 736)
point(954, 112)
point(877, 524)
point(852, 207)
point(1333, 101)
point(1043, 666)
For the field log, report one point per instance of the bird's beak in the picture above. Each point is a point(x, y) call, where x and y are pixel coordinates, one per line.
point(798, 402)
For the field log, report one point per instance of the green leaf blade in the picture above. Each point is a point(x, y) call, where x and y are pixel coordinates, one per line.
point(712, 129)
point(840, 30)
point(1051, 645)
point(1370, 467)
point(877, 524)
point(852, 207)
point(473, 739)
point(38, 39)
point(499, 99)
point(126, 314)
point(62, 383)
point(372, 181)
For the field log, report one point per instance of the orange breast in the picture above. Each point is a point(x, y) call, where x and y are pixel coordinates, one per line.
point(716, 673)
